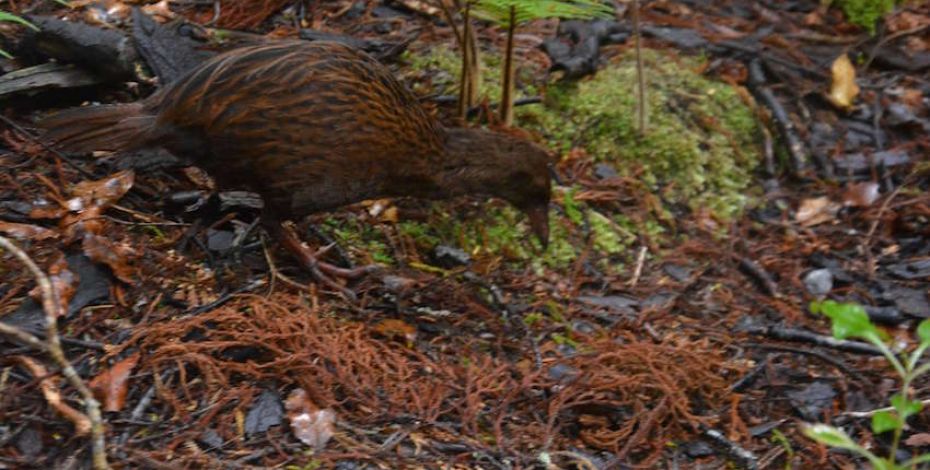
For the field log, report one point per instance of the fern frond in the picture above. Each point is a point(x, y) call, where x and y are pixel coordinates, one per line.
point(498, 11)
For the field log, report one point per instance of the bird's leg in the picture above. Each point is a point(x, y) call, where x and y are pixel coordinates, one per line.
point(309, 259)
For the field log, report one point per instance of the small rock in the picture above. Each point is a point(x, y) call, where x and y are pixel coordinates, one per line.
point(563, 373)
point(219, 241)
point(811, 401)
point(616, 302)
point(449, 257)
point(211, 439)
point(584, 327)
point(397, 284)
point(764, 428)
point(604, 171)
point(819, 282)
point(267, 411)
point(29, 442)
point(698, 449)
point(678, 273)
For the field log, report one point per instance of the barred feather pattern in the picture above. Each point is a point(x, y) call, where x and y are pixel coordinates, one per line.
point(311, 127)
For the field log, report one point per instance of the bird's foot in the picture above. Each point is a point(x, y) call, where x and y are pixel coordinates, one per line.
point(322, 272)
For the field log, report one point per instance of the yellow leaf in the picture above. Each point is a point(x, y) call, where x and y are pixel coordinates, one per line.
point(843, 90)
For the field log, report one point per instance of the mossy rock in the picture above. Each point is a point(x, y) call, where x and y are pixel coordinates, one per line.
point(699, 152)
point(701, 143)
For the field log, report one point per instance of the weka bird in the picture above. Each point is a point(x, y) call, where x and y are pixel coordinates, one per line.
point(311, 127)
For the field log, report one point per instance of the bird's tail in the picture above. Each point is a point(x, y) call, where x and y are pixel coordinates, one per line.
point(111, 127)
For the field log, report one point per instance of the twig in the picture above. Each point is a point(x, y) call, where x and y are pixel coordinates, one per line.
point(583, 462)
point(803, 336)
point(58, 154)
point(786, 126)
point(747, 458)
point(867, 242)
point(640, 261)
point(51, 303)
point(23, 336)
point(760, 275)
point(889, 38)
point(808, 352)
point(275, 274)
point(869, 414)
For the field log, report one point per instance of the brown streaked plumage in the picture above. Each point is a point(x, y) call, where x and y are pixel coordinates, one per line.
point(311, 127)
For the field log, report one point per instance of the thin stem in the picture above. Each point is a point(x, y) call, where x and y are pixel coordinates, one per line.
point(508, 85)
point(640, 71)
point(915, 356)
point(53, 307)
point(925, 458)
point(878, 343)
point(465, 82)
point(923, 369)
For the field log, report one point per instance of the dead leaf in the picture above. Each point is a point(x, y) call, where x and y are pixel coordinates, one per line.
point(112, 385)
point(382, 209)
point(313, 426)
point(905, 20)
point(393, 328)
point(116, 256)
point(47, 211)
point(89, 221)
point(160, 10)
point(816, 211)
point(860, 194)
point(843, 89)
point(921, 439)
point(63, 280)
point(26, 231)
point(199, 177)
point(106, 191)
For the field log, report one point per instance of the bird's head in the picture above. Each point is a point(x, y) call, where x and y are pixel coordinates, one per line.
point(508, 167)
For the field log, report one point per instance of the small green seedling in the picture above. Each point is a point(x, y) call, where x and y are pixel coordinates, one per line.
point(851, 321)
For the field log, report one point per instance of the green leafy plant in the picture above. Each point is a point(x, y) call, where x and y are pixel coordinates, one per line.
point(851, 321)
point(866, 13)
point(510, 13)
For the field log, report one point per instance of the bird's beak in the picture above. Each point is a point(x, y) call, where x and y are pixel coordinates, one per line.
point(539, 222)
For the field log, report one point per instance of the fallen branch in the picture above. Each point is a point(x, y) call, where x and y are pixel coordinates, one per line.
point(51, 304)
point(869, 414)
point(803, 336)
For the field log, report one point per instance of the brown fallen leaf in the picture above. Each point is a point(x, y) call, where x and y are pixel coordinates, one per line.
point(26, 231)
point(843, 89)
point(816, 211)
point(161, 11)
point(116, 256)
point(63, 280)
point(87, 221)
point(860, 194)
point(310, 424)
point(921, 439)
point(112, 385)
point(47, 211)
point(399, 329)
point(106, 191)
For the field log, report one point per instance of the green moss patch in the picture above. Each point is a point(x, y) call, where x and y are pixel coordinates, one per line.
point(701, 144)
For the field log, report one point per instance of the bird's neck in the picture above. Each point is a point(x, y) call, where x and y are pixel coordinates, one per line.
point(469, 165)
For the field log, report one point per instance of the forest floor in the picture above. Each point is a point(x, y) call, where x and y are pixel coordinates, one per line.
point(694, 349)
